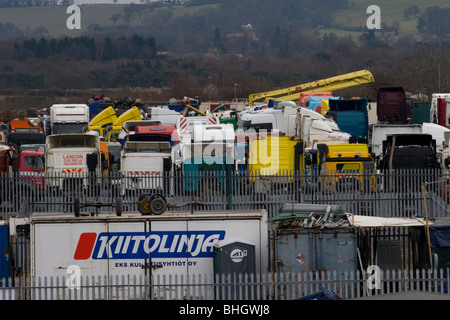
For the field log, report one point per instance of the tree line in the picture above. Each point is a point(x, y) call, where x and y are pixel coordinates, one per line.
point(224, 48)
point(434, 20)
point(74, 64)
point(81, 48)
point(34, 3)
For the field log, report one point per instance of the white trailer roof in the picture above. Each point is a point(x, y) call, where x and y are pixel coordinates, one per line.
point(170, 215)
point(369, 221)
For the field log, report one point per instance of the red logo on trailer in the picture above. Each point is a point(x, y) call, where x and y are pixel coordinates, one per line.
point(85, 246)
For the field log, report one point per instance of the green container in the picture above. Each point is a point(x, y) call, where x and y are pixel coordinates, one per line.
point(421, 111)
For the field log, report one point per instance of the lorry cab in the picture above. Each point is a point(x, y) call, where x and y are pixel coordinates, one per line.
point(144, 165)
point(275, 161)
point(352, 117)
point(166, 116)
point(305, 96)
point(4, 170)
point(345, 167)
point(32, 166)
point(409, 151)
point(270, 120)
point(69, 118)
point(156, 133)
point(73, 161)
point(18, 125)
point(206, 155)
point(226, 116)
point(114, 150)
point(393, 105)
point(133, 114)
point(312, 156)
point(102, 120)
point(440, 109)
point(129, 127)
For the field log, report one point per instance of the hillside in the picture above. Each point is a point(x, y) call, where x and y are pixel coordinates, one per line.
point(228, 15)
point(53, 19)
point(219, 49)
point(391, 12)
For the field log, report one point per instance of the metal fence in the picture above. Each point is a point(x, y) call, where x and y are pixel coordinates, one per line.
point(267, 286)
point(390, 193)
point(399, 193)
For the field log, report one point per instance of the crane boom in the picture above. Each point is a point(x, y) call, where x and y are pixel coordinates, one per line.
point(329, 84)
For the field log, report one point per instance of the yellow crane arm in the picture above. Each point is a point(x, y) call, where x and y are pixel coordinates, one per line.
point(329, 84)
point(189, 107)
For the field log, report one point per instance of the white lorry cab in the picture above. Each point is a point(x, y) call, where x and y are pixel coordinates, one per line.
point(440, 108)
point(69, 118)
point(311, 126)
point(73, 162)
point(144, 166)
point(271, 120)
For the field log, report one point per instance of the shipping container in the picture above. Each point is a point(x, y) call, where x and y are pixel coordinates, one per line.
point(420, 111)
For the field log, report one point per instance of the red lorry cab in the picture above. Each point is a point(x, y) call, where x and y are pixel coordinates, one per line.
point(169, 131)
point(32, 167)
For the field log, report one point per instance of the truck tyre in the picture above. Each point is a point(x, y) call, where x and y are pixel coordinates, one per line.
point(119, 207)
point(76, 207)
point(144, 203)
point(158, 205)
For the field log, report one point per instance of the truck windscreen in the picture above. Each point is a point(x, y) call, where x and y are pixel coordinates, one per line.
point(60, 128)
point(343, 167)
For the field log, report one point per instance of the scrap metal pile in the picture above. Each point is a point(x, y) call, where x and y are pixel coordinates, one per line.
point(311, 216)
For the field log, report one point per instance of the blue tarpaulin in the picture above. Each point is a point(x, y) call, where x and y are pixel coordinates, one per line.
point(440, 236)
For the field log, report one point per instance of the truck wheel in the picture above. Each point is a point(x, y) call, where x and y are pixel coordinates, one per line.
point(158, 205)
point(119, 207)
point(76, 207)
point(144, 203)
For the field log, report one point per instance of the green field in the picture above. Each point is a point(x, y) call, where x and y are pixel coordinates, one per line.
point(53, 19)
point(391, 10)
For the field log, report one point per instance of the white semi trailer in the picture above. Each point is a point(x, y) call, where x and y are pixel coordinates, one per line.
point(175, 243)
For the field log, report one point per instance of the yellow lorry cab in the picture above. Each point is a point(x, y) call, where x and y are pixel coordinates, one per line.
point(133, 114)
point(275, 156)
point(100, 122)
point(345, 167)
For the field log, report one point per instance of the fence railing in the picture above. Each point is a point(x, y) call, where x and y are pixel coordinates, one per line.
point(267, 286)
point(389, 193)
